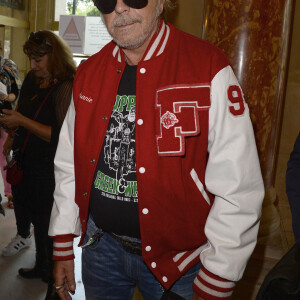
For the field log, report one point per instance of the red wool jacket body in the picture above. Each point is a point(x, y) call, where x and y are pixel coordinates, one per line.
point(199, 182)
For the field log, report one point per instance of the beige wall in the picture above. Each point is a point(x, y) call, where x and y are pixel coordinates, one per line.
point(37, 17)
point(16, 35)
point(188, 16)
point(290, 126)
point(45, 14)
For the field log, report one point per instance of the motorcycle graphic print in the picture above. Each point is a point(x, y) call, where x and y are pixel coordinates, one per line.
point(117, 176)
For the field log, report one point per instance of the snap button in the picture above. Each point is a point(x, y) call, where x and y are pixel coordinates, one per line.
point(83, 221)
point(140, 122)
point(153, 265)
point(104, 118)
point(165, 279)
point(142, 170)
point(148, 248)
point(119, 71)
point(93, 160)
point(145, 211)
point(142, 70)
point(85, 194)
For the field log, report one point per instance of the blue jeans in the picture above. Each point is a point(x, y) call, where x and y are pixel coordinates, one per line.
point(111, 273)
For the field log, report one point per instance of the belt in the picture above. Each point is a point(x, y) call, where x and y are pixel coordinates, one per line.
point(127, 245)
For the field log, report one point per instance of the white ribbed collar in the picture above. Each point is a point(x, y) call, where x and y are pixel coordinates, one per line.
point(156, 47)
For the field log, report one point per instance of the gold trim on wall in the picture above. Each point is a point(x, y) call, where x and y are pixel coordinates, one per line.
point(13, 22)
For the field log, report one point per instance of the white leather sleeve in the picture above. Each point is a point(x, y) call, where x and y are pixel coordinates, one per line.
point(65, 212)
point(233, 175)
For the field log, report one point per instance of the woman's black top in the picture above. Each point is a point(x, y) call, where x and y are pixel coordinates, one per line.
point(37, 159)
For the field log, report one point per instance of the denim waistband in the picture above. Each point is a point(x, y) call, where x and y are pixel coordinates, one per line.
point(129, 244)
point(92, 229)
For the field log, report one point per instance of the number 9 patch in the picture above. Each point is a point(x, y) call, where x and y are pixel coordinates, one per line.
point(235, 96)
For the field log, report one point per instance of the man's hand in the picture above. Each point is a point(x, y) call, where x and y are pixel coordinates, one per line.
point(197, 297)
point(64, 279)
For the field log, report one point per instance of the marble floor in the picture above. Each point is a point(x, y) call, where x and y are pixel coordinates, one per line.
point(14, 287)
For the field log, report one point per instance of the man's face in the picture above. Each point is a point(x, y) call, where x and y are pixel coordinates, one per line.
point(131, 28)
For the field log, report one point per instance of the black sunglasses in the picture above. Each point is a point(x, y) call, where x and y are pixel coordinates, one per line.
point(108, 6)
point(38, 39)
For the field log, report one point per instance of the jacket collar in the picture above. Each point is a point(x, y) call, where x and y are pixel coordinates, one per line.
point(156, 47)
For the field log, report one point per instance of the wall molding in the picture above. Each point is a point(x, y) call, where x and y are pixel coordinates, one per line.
point(13, 22)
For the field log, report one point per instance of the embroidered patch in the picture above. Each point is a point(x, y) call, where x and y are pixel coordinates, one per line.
point(235, 96)
point(179, 108)
point(168, 120)
point(85, 98)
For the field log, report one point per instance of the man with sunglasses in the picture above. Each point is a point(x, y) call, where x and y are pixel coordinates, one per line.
point(156, 167)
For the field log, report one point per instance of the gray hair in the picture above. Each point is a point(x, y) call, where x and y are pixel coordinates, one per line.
point(169, 4)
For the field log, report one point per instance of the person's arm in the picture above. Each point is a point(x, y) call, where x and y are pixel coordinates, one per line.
point(11, 97)
point(293, 187)
point(233, 175)
point(14, 93)
point(64, 278)
point(65, 222)
point(13, 119)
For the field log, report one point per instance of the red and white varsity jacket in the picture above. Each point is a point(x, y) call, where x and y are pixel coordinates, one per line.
point(200, 188)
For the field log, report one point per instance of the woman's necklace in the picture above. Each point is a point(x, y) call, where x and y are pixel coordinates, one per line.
point(44, 84)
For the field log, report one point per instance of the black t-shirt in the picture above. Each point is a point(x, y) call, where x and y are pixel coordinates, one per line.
point(114, 196)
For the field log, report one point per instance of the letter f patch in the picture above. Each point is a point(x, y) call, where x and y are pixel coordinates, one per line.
point(179, 117)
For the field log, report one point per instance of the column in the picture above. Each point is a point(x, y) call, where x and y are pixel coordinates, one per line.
point(255, 36)
point(41, 14)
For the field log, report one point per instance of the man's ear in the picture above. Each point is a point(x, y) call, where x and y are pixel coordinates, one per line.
point(162, 4)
